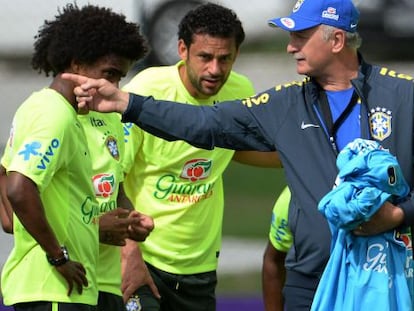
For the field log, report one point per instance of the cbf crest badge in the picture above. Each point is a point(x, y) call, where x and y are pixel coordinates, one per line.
point(380, 123)
point(133, 304)
point(112, 146)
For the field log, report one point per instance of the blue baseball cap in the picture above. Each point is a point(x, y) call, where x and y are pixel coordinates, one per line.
point(306, 14)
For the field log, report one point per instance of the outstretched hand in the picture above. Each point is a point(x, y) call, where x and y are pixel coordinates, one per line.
point(97, 94)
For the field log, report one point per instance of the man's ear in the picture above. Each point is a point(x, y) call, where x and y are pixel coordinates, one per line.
point(237, 54)
point(182, 49)
point(338, 40)
point(75, 67)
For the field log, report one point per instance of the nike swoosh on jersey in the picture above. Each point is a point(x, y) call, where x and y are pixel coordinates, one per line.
point(307, 125)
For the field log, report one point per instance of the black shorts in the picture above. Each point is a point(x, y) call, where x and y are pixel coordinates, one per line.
point(195, 292)
point(110, 302)
point(52, 306)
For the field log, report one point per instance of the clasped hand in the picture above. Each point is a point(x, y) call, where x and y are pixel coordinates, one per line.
point(120, 224)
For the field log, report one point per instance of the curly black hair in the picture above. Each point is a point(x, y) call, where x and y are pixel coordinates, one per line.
point(212, 19)
point(85, 35)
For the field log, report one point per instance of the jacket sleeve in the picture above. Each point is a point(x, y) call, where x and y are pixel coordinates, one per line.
point(227, 125)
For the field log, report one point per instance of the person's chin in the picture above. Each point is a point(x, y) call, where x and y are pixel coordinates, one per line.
point(302, 71)
point(211, 90)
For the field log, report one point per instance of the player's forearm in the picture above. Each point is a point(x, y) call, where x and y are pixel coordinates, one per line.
point(273, 280)
point(122, 199)
point(26, 203)
point(6, 211)
point(259, 159)
point(131, 258)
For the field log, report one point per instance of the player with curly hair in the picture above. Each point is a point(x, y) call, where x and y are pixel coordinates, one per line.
point(64, 172)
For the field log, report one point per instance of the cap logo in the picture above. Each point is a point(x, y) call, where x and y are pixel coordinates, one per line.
point(288, 22)
point(297, 6)
point(330, 13)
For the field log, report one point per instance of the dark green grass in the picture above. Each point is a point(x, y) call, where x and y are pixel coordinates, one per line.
point(250, 193)
point(244, 284)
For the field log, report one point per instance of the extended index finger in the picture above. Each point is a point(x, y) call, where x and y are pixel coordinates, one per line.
point(78, 79)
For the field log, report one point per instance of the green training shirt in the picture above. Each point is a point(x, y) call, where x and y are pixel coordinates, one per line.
point(180, 186)
point(105, 136)
point(48, 145)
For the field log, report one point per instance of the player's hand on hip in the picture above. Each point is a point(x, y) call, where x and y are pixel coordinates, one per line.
point(74, 274)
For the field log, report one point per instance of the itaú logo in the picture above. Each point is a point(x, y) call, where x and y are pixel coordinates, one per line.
point(196, 169)
point(103, 184)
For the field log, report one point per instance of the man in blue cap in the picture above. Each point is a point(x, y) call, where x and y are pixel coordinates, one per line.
point(342, 98)
point(308, 14)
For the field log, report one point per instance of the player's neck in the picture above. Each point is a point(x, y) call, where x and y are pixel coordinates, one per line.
point(65, 88)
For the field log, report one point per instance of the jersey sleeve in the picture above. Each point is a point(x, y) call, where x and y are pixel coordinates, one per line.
point(6, 157)
point(37, 149)
point(279, 234)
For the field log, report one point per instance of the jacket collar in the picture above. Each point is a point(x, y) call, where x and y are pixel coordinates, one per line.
point(359, 82)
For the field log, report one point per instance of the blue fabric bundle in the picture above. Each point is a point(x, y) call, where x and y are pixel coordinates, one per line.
point(363, 272)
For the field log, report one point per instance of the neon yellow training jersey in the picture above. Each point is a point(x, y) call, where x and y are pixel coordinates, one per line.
point(48, 145)
point(180, 186)
point(279, 234)
point(105, 137)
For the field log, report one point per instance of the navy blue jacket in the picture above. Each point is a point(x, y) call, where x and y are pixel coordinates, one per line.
point(285, 118)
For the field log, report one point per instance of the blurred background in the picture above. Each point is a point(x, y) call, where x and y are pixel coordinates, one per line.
point(387, 28)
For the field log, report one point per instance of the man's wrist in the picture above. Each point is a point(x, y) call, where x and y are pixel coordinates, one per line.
point(123, 102)
point(60, 260)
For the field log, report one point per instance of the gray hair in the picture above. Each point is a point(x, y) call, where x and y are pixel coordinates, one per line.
point(353, 39)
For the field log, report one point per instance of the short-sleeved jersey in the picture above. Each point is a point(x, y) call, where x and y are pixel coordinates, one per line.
point(279, 234)
point(105, 135)
point(47, 144)
point(180, 186)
